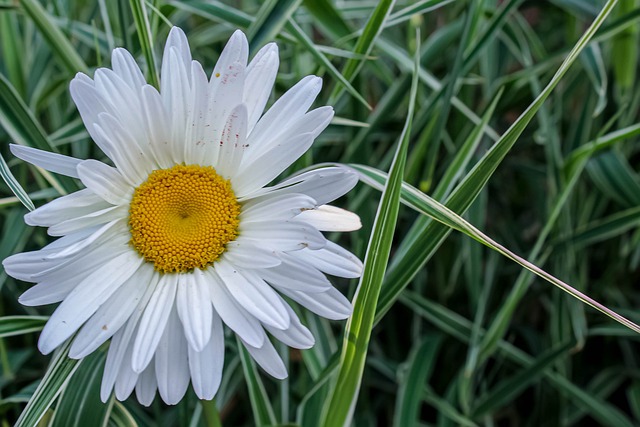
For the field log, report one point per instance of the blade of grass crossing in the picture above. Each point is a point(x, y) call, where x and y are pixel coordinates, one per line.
point(139, 11)
point(19, 325)
point(80, 403)
point(424, 204)
point(59, 372)
point(339, 410)
point(419, 367)
point(269, 21)
point(262, 410)
point(14, 186)
point(297, 32)
point(460, 328)
point(58, 42)
point(432, 235)
point(365, 43)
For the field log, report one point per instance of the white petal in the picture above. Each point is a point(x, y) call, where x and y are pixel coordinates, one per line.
point(323, 185)
point(177, 101)
point(331, 218)
point(127, 378)
point(206, 366)
point(236, 50)
point(89, 220)
point(284, 235)
point(122, 344)
point(129, 157)
point(90, 104)
point(233, 315)
point(196, 130)
point(147, 385)
point(268, 359)
point(54, 162)
point(279, 206)
point(153, 322)
point(258, 173)
point(103, 232)
point(292, 105)
point(63, 208)
point(332, 259)
point(156, 121)
point(295, 275)
point(105, 182)
point(330, 304)
point(296, 335)
point(252, 293)
point(176, 42)
point(260, 77)
point(232, 142)
point(113, 314)
point(193, 302)
point(126, 68)
point(312, 123)
point(172, 366)
point(85, 299)
point(251, 254)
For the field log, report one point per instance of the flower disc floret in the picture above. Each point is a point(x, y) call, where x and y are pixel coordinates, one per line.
point(181, 218)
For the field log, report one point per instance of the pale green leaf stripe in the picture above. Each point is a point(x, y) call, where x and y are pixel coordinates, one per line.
point(295, 29)
point(59, 372)
point(80, 404)
point(431, 235)
point(23, 128)
point(65, 52)
point(424, 204)
point(262, 410)
point(420, 364)
point(19, 325)
point(14, 186)
point(139, 11)
point(269, 21)
point(365, 43)
point(343, 397)
point(120, 417)
point(457, 326)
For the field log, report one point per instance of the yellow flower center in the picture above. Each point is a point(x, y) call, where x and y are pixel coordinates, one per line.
point(181, 218)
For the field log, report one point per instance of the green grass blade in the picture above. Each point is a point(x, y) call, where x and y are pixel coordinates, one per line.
point(269, 21)
point(365, 43)
point(355, 345)
point(59, 43)
point(80, 403)
point(510, 388)
point(424, 204)
point(328, 17)
point(297, 32)
point(461, 328)
point(428, 239)
point(215, 11)
point(18, 121)
point(59, 372)
point(262, 410)
point(19, 325)
point(14, 186)
point(139, 11)
point(120, 417)
point(613, 174)
point(605, 228)
point(419, 367)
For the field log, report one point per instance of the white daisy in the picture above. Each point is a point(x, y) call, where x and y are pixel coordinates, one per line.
point(183, 234)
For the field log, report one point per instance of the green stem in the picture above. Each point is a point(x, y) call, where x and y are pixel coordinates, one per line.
point(211, 415)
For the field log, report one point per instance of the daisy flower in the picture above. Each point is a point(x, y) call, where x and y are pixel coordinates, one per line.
point(182, 233)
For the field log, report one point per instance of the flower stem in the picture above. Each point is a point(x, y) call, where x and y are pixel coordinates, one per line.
point(210, 411)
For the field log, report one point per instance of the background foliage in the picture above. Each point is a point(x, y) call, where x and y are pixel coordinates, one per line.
point(461, 335)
